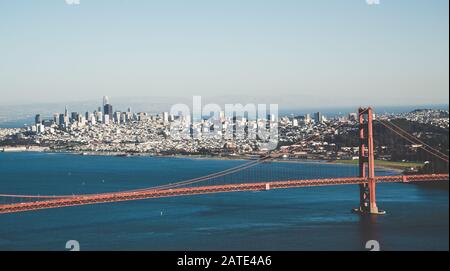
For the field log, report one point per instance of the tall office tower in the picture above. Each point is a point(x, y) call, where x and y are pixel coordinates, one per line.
point(124, 117)
point(108, 110)
point(129, 116)
point(74, 116)
point(37, 119)
point(166, 117)
point(106, 119)
point(105, 100)
point(222, 116)
point(62, 119)
point(318, 117)
point(66, 111)
point(80, 119)
point(56, 118)
point(272, 118)
point(92, 119)
point(307, 118)
point(99, 116)
point(40, 128)
point(117, 117)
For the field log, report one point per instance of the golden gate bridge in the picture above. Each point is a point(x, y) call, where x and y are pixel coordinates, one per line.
point(257, 175)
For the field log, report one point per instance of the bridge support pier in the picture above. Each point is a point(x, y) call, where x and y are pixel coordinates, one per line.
point(367, 191)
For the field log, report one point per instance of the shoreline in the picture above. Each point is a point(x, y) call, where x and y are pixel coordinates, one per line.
point(187, 156)
point(395, 169)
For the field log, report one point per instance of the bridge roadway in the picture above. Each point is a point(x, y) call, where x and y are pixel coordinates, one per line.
point(189, 191)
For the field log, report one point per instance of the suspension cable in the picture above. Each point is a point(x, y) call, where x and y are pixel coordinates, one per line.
point(414, 138)
point(409, 140)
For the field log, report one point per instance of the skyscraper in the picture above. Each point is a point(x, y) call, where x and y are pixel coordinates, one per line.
point(38, 119)
point(63, 120)
point(105, 100)
point(106, 119)
point(56, 118)
point(108, 110)
point(74, 117)
point(307, 118)
point(166, 117)
point(117, 117)
point(318, 118)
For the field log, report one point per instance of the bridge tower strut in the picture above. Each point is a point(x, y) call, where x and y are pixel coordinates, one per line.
point(367, 191)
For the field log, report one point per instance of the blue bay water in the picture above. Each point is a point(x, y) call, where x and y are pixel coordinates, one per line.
point(295, 219)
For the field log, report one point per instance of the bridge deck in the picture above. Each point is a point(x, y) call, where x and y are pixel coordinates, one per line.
point(149, 194)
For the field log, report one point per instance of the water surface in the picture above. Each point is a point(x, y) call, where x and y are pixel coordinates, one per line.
point(295, 219)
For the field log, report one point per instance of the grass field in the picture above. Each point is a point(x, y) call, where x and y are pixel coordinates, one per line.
point(386, 164)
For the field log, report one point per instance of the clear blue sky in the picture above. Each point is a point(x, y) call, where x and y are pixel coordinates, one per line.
point(310, 52)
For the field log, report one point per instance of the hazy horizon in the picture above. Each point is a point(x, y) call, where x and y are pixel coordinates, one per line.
point(17, 115)
point(288, 103)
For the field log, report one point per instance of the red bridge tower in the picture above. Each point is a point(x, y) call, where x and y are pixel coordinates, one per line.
point(367, 191)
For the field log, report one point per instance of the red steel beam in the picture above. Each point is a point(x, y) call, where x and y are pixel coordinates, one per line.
point(149, 194)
